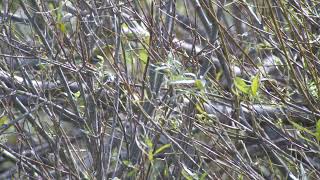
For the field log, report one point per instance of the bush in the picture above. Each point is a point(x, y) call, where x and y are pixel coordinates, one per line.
point(159, 89)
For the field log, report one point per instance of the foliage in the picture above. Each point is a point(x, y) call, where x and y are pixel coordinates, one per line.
point(159, 89)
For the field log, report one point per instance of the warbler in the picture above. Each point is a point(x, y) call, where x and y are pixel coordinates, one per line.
point(101, 54)
point(132, 60)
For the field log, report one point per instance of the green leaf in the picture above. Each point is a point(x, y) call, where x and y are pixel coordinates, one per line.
point(203, 176)
point(200, 109)
point(51, 6)
point(149, 143)
point(301, 128)
point(126, 162)
point(317, 134)
point(59, 12)
point(162, 148)
point(4, 120)
point(143, 55)
point(150, 155)
point(132, 173)
point(62, 27)
point(255, 84)
point(219, 75)
point(42, 66)
point(77, 94)
point(241, 85)
point(199, 84)
point(240, 176)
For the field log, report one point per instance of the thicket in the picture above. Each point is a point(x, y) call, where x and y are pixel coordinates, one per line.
point(150, 89)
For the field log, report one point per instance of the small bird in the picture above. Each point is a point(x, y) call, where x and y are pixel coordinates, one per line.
point(131, 60)
point(101, 54)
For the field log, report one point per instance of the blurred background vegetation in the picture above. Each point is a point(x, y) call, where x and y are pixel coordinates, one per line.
point(150, 89)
